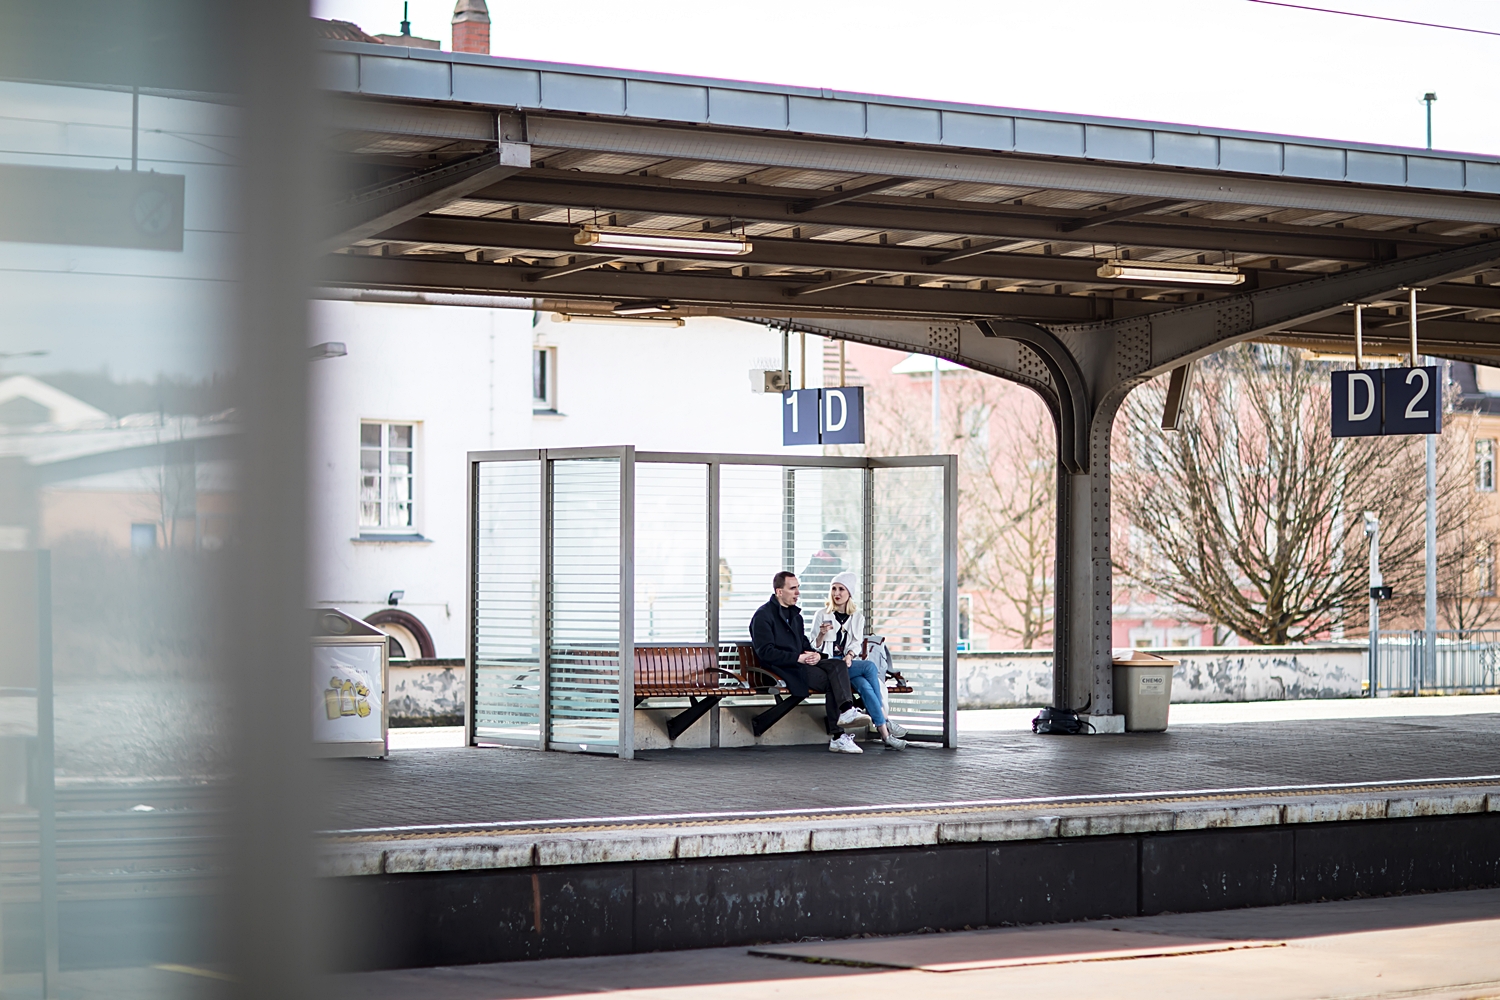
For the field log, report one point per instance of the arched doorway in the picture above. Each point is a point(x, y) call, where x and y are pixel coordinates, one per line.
point(409, 638)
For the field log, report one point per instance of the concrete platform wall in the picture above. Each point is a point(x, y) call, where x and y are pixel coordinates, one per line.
point(1014, 679)
point(427, 693)
point(431, 693)
point(441, 918)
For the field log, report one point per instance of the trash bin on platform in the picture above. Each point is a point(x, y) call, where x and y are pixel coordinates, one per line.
point(350, 676)
point(1143, 690)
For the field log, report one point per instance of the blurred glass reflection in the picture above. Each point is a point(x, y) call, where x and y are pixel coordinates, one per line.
point(120, 511)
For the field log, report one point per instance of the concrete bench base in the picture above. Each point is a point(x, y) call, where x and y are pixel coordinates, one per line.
point(803, 725)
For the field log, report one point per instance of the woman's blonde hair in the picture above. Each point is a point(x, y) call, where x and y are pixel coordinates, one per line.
point(849, 607)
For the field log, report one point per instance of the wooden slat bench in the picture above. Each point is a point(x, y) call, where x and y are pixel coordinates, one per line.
point(758, 676)
point(690, 672)
point(693, 672)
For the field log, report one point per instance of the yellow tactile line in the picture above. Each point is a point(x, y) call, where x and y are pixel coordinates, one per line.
point(1164, 799)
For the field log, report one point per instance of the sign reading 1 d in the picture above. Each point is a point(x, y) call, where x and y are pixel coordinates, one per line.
point(1378, 401)
point(823, 416)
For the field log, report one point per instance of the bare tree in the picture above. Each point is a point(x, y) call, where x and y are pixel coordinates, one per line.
point(1007, 485)
point(1250, 514)
point(1010, 532)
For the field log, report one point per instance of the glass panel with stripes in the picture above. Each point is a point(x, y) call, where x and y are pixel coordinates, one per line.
point(671, 546)
point(907, 589)
point(751, 549)
point(809, 521)
point(824, 531)
point(508, 604)
point(584, 671)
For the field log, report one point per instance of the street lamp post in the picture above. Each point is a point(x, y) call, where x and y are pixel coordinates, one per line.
point(1427, 99)
point(1372, 528)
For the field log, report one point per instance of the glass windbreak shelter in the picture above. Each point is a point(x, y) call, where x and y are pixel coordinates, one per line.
point(588, 567)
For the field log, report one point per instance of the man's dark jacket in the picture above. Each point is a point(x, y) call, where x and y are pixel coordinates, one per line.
point(778, 640)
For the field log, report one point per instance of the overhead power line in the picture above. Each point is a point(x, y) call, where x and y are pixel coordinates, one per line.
point(1377, 17)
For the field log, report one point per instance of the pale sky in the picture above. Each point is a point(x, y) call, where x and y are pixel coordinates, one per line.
point(1225, 63)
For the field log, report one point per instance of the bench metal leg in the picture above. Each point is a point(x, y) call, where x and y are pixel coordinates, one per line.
point(775, 713)
point(682, 721)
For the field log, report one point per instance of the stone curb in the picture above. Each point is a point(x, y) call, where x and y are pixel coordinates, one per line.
point(339, 858)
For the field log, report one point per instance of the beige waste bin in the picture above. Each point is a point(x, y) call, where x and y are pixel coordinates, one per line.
point(1143, 690)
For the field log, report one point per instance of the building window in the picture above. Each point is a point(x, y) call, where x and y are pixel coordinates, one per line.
point(387, 467)
point(544, 379)
point(1484, 569)
point(1148, 637)
point(1484, 465)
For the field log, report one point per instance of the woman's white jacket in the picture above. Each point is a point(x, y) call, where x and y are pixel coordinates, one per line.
point(854, 630)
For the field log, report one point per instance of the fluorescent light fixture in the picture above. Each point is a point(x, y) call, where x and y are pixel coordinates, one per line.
point(1171, 274)
point(607, 319)
point(643, 308)
point(662, 241)
point(1370, 359)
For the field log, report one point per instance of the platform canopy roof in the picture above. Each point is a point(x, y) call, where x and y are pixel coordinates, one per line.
point(471, 174)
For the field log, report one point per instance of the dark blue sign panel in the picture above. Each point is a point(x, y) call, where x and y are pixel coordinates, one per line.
point(1357, 408)
point(1413, 401)
point(799, 416)
point(844, 415)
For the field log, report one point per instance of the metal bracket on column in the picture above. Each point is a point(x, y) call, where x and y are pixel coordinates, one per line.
point(1171, 414)
point(1074, 410)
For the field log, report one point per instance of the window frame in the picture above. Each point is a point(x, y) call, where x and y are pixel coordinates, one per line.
point(1484, 564)
point(546, 403)
point(1484, 465)
point(413, 500)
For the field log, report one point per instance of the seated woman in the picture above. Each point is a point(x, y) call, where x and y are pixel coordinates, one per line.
point(839, 632)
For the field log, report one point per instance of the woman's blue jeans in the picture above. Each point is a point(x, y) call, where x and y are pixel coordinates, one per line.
point(864, 677)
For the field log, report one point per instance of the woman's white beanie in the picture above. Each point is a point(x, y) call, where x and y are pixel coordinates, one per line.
point(848, 580)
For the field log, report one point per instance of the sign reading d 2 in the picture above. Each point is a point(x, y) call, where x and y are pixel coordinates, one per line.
point(1357, 410)
point(800, 416)
point(1413, 403)
point(844, 415)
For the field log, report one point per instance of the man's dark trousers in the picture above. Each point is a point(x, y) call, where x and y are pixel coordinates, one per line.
point(832, 676)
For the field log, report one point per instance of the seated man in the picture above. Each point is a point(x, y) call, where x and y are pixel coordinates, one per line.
point(781, 646)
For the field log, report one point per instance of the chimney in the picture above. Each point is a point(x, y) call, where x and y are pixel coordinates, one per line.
point(471, 27)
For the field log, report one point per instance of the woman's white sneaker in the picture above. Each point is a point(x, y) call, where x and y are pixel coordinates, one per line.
point(854, 718)
point(894, 742)
point(844, 744)
point(895, 729)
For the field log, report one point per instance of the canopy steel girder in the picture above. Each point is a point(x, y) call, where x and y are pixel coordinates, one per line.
point(364, 213)
point(1083, 374)
point(556, 240)
point(725, 294)
point(671, 196)
point(955, 166)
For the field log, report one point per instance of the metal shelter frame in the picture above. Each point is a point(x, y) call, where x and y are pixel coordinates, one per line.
point(553, 609)
point(986, 236)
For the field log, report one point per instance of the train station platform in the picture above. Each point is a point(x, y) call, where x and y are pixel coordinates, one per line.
point(471, 855)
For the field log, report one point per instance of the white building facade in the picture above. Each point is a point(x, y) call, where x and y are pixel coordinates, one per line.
point(421, 386)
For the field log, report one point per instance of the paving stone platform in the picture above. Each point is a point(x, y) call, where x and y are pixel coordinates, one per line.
point(433, 790)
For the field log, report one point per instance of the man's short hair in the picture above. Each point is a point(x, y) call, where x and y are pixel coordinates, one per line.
point(780, 579)
point(834, 538)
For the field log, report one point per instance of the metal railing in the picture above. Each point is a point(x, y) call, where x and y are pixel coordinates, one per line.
point(1467, 662)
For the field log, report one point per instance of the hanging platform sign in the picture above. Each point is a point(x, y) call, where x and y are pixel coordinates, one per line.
point(823, 416)
point(1385, 401)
